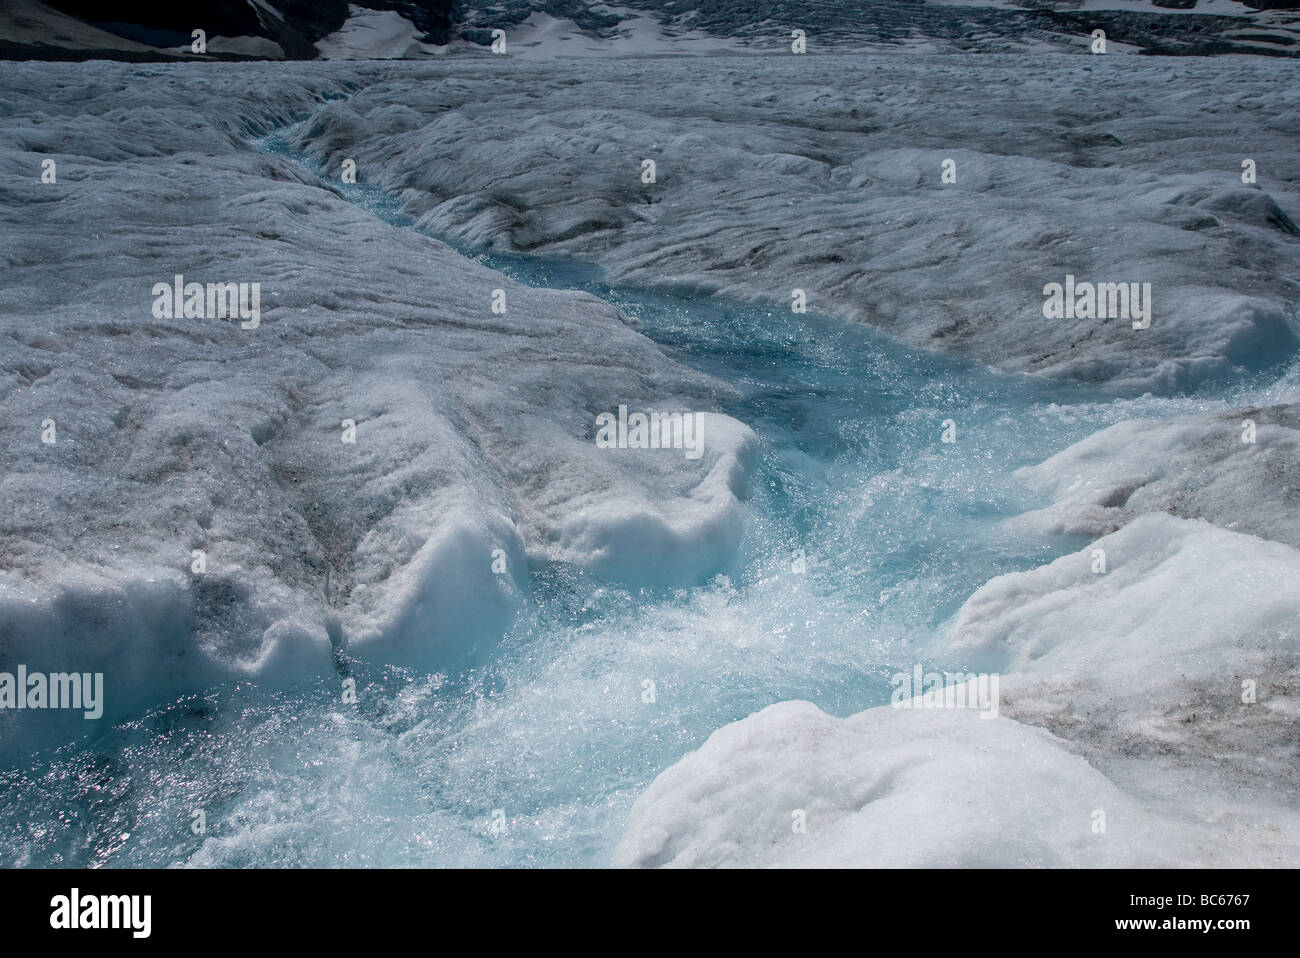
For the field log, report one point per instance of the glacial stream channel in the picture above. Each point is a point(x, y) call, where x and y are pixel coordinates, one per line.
point(896, 530)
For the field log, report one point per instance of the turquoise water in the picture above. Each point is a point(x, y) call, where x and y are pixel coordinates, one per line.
point(558, 730)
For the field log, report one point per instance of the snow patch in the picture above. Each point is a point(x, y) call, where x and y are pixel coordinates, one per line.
point(374, 35)
point(888, 788)
point(1191, 466)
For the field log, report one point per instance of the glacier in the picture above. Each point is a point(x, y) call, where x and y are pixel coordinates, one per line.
point(648, 659)
point(778, 176)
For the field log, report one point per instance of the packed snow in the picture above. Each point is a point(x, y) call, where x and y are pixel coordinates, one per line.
point(795, 787)
point(1236, 467)
point(1140, 643)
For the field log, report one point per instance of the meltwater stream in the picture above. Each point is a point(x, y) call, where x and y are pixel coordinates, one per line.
point(535, 757)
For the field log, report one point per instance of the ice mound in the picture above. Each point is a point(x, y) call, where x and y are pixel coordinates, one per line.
point(1151, 654)
point(671, 541)
point(888, 788)
point(1190, 466)
point(368, 467)
point(825, 174)
point(1164, 694)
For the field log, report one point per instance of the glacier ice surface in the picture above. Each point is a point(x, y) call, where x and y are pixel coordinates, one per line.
point(1123, 690)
